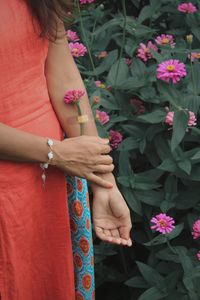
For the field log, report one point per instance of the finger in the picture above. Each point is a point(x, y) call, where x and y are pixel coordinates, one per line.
point(105, 160)
point(105, 149)
point(99, 181)
point(125, 232)
point(110, 238)
point(103, 169)
point(101, 235)
point(104, 141)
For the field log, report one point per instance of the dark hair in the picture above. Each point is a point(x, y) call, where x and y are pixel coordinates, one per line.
point(48, 12)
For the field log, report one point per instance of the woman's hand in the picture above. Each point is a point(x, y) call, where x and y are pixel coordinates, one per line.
point(111, 215)
point(84, 156)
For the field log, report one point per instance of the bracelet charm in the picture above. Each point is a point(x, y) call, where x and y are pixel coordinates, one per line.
point(50, 156)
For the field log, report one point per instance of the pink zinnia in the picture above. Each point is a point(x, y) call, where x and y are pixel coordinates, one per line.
point(165, 39)
point(196, 230)
point(86, 1)
point(170, 118)
point(163, 223)
point(102, 116)
point(72, 36)
point(143, 51)
point(194, 55)
point(77, 49)
point(138, 105)
point(187, 8)
point(198, 255)
point(115, 138)
point(171, 69)
point(73, 96)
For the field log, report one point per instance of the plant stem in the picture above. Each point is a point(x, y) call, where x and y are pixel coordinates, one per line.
point(85, 39)
point(123, 38)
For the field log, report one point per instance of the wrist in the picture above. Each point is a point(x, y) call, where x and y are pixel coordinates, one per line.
point(108, 177)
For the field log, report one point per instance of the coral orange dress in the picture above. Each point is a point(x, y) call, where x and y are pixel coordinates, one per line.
point(35, 244)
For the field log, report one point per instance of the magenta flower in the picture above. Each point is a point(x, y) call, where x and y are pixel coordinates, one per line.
point(171, 69)
point(102, 116)
point(73, 96)
point(115, 138)
point(163, 223)
point(198, 255)
point(143, 51)
point(77, 49)
point(86, 1)
point(72, 36)
point(187, 8)
point(170, 118)
point(194, 55)
point(165, 39)
point(138, 106)
point(196, 230)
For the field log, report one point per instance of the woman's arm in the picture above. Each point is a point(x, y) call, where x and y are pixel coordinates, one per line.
point(111, 215)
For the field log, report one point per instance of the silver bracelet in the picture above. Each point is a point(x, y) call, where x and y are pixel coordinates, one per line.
point(50, 156)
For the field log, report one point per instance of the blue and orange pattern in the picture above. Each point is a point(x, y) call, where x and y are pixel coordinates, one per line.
point(81, 231)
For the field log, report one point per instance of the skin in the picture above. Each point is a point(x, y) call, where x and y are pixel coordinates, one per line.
point(111, 216)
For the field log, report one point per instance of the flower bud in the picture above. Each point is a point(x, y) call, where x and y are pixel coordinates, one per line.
point(189, 38)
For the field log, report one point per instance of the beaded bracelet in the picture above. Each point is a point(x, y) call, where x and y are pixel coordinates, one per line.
point(50, 156)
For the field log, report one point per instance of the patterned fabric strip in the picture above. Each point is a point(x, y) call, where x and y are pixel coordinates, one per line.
point(81, 231)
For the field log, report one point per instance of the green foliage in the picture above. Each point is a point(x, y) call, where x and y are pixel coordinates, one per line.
point(157, 165)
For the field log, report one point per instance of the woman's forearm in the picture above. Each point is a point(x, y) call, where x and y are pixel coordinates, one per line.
point(62, 74)
point(17, 145)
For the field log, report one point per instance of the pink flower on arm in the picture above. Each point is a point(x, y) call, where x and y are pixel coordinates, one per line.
point(102, 116)
point(73, 96)
point(187, 8)
point(115, 138)
point(170, 118)
point(86, 1)
point(72, 36)
point(171, 69)
point(143, 51)
point(77, 49)
point(163, 223)
point(196, 230)
point(165, 39)
point(198, 255)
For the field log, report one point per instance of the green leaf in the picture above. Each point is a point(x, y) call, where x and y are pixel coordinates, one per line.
point(118, 73)
point(137, 282)
point(150, 275)
point(179, 127)
point(157, 116)
point(152, 294)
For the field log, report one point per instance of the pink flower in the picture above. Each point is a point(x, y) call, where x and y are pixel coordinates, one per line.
point(115, 138)
point(102, 116)
point(72, 36)
point(99, 84)
point(77, 49)
point(171, 69)
point(128, 61)
point(194, 55)
point(138, 105)
point(196, 230)
point(73, 96)
point(165, 39)
point(198, 255)
point(170, 118)
point(163, 223)
point(143, 51)
point(103, 54)
point(187, 8)
point(86, 1)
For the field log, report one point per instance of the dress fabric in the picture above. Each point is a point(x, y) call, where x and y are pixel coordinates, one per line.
point(81, 232)
point(36, 261)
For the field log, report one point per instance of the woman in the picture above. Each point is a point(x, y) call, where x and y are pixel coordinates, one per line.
point(36, 70)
